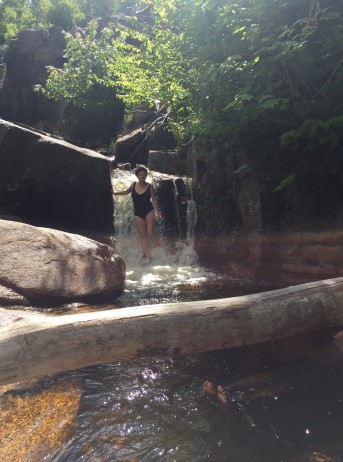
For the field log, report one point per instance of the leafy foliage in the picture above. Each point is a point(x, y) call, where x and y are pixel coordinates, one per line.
point(260, 76)
point(40, 9)
point(87, 65)
point(14, 16)
point(64, 13)
point(222, 68)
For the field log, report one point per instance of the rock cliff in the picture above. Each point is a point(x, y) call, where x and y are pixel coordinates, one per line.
point(50, 182)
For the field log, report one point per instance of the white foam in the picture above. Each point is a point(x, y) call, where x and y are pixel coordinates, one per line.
point(172, 264)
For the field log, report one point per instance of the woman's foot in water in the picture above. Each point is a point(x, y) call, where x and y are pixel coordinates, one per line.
point(145, 260)
point(219, 391)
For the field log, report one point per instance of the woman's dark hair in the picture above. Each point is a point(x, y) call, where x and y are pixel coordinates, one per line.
point(140, 169)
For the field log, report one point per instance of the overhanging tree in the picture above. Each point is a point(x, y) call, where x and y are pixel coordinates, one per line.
point(261, 76)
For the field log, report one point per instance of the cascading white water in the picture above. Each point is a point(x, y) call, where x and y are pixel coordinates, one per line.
point(173, 264)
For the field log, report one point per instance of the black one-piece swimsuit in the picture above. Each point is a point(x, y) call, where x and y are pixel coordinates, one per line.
point(141, 202)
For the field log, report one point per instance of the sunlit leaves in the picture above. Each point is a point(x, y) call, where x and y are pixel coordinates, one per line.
point(219, 66)
point(89, 61)
point(14, 16)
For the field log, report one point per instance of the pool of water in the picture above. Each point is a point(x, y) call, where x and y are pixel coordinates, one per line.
point(285, 404)
point(156, 410)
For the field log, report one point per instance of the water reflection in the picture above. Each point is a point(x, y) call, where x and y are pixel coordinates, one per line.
point(282, 408)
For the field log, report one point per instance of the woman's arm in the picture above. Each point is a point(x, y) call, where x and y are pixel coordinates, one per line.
point(154, 201)
point(123, 192)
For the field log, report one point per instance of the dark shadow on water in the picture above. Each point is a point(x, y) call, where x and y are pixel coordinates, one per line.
point(284, 405)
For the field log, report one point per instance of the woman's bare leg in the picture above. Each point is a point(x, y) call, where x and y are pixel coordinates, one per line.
point(141, 228)
point(150, 228)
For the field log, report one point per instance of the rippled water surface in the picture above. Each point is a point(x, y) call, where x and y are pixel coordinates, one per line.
point(284, 405)
point(156, 410)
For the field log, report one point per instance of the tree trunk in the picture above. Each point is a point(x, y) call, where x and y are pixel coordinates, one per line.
point(44, 345)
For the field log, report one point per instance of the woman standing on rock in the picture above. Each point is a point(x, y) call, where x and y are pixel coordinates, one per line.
point(145, 206)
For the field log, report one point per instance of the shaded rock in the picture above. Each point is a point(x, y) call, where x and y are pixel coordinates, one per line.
point(166, 198)
point(162, 138)
point(173, 195)
point(47, 266)
point(216, 189)
point(248, 198)
point(167, 162)
point(11, 297)
point(2, 74)
point(132, 147)
point(140, 117)
point(95, 124)
point(53, 183)
point(182, 197)
point(26, 61)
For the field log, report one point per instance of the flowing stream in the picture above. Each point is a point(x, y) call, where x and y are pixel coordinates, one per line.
point(285, 398)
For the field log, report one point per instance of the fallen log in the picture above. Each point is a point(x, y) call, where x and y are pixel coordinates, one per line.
point(44, 345)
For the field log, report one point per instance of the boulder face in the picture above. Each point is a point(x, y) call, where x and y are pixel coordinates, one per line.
point(249, 230)
point(45, 266)
point(26, 62)
point(52, 183)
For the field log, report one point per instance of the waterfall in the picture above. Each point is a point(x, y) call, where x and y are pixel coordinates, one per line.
point(173, 264)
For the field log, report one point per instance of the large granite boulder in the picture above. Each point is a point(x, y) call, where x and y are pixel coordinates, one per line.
point(43, 266)
point(52, 183)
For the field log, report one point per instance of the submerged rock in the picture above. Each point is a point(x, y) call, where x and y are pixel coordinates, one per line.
point(46, 266)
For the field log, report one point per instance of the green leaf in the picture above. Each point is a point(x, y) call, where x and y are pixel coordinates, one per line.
point(285, 182)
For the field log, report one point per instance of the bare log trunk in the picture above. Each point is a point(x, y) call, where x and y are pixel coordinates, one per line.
point(45, 345)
